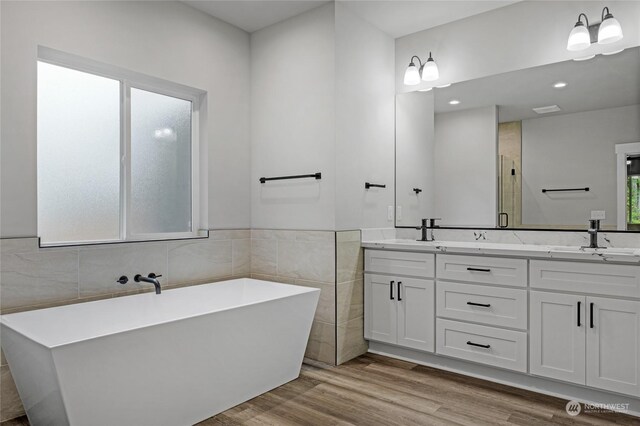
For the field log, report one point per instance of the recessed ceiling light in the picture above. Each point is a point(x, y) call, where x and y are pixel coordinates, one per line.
point(560, 84)
point(454, 102)
point(584, 58)
point(425, 90)
point(547, 109)
point(443, 86)
point(612, 53)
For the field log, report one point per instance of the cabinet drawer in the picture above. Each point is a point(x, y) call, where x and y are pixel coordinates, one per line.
point(595, 278)
point(479, 343)
point(399, 263)
point(480, 269)
point(505, 307)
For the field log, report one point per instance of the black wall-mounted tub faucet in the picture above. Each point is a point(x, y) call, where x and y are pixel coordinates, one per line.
point(152, 279)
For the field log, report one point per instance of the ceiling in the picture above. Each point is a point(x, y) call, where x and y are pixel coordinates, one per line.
point(253, 15)
point(395, 17)
point(399, 18)
point(602, 82)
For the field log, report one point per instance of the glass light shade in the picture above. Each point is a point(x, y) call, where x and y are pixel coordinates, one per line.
point(579, 38)
point(411, 75)
point(430, 71)
point(610, 31)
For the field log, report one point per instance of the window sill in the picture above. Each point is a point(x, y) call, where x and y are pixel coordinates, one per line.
point(200, 235)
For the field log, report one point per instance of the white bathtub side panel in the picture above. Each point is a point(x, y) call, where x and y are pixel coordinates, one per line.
point(182, 372)
point(33, 371)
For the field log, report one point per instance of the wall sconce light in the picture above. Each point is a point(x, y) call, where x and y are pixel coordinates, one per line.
point(427, 71)
point(608, 30)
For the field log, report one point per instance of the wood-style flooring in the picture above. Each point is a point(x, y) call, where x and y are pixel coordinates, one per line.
point(375, 390)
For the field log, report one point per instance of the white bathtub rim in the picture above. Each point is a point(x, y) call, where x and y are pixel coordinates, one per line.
point(5, 323)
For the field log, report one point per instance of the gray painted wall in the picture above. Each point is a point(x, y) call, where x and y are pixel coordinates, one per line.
point(168, 40)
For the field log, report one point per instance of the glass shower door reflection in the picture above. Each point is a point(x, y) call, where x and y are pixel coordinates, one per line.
point(510, 205)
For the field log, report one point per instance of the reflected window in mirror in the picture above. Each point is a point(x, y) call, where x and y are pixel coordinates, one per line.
point(633, 193)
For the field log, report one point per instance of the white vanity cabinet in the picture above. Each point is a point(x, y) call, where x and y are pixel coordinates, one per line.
point(583, 338)
point(593, 341)
point(477, 311)
point(399, 309)
point(571, 321)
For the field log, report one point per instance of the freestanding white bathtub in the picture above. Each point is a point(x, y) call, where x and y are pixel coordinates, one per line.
point(170, 359)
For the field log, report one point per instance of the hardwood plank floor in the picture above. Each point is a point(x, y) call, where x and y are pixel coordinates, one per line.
point(375, 390)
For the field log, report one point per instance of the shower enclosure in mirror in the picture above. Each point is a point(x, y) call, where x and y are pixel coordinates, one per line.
point(539, 148)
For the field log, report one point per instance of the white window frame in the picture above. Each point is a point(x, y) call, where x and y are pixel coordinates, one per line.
point(128, 80)
point(622, 151)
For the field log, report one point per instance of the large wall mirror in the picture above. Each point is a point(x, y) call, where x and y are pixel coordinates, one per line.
point(539, 148)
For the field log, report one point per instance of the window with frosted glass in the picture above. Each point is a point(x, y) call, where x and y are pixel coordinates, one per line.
point(160, 163)
point(78, 155)
point(114, 161)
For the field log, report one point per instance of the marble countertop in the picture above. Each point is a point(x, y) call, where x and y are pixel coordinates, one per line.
point(610, 254)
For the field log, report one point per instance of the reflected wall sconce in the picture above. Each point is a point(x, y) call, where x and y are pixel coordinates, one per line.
point(427, 71)
point(608, 30)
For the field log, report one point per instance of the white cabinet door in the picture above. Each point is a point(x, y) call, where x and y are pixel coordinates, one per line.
point(557, 332)
point(613, 345)
point(416, 313)
point(381, 308)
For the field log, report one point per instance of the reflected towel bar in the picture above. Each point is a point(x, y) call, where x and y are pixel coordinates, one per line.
point(368, 185)
point(567, 189)
point(317, 176)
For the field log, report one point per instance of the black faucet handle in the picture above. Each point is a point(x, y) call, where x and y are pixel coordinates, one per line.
point(123, 280)
point(153, 275)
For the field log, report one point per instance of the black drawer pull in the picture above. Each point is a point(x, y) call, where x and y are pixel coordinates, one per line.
point(470, 343)
point(479, 269)
point(591, 315)
point(399, 295)
point(391, 290)
point(484, 305)
point(579, 303)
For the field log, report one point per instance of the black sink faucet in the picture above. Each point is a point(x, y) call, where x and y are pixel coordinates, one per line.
point(152, 279)
point(594, 227)
point(427, 230)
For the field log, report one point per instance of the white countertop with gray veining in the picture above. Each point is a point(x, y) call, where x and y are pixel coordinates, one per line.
point(610, 254)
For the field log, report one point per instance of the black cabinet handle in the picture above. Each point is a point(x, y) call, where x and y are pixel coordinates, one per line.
point(399, 296)
point(579, 304)
point(391, 290)
point(484, 305)
point(470, 343)
point(591, 315)
point(479, 269)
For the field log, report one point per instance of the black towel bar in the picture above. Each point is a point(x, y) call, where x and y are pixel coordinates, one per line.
point(368, 185)
point(317, 176)
point(566, 189)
